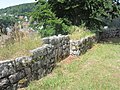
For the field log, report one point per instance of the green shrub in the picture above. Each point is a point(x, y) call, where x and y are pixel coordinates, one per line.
point(45, 18)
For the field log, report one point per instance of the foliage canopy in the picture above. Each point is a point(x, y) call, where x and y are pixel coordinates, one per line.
point(90, 12)
point(46, 22)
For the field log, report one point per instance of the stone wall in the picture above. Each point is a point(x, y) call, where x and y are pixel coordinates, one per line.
point(109, 34)
point(78, 47)
point(20, 71)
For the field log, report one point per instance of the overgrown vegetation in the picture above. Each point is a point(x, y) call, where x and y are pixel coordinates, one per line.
point(85, 11)
point(55, 15)
point(76, 33)
point(98, 69)
point(20, 48)
point(6, 21)
point(46, 22)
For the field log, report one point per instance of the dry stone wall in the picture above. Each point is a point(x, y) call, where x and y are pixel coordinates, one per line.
point(61, 45)
point(19, 72)
point(78, 47)
point(109, 34)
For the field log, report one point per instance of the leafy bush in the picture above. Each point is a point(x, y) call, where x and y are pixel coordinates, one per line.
point(46, 22)
point(78, 11)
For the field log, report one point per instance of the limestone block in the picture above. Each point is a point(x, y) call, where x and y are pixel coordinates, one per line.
point(60, 51)
point(8, 88)
point(41, 51)
point(4, 83)
point(34, 66)
point(7, 68)
point(46, 40)
point(53, 40)
point(14, 86)
point(34, 75)
point(74, 48)
point(17, 76)
point(52, 60)
point(67, 37)
point(37, 52)
point(50, 49)
point(76, 52)
point(40, 73)
point(63, 41)
point(28, 71)
point(22, 62)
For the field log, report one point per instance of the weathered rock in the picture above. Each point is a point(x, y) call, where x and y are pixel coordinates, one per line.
point(109, 34)
point(4, 83)
point(17, 76)
point(22, 62)
point(45, 40)
point(6, 68)
point(79, 47)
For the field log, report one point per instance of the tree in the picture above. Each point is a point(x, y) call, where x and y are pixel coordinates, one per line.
point(53, 15)
point(6, 21)
point(46, 22)
point(89, 12)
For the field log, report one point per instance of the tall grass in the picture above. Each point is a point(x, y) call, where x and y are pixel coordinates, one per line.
point(79, 32)
point(20, 48)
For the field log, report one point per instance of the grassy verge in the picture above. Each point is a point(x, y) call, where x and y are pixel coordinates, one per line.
point(79, 32)
point(98, 69)
point(20, 48)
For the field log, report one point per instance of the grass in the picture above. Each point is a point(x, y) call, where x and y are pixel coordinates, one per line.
point(79, 32)
point(98, 69)
point(21, 48)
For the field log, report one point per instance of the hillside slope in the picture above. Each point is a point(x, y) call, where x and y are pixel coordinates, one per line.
point(21, 9)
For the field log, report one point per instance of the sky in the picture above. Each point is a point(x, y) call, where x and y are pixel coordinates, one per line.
point(7, 3)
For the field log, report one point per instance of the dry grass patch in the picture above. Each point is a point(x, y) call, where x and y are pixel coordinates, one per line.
point(79, 32)
point(20, 48)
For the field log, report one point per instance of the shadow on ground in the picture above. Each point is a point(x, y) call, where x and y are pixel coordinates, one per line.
point(111, 41)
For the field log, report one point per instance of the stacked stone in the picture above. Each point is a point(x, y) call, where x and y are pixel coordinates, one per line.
point(78, 47)
point(43, 61)
point(110, 34)
point(6, 69)
point(20, 71)
point(61, 45)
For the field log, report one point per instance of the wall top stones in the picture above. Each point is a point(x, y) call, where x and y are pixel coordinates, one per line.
point(55, 39)
point(78, 47)
point(109, 34)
